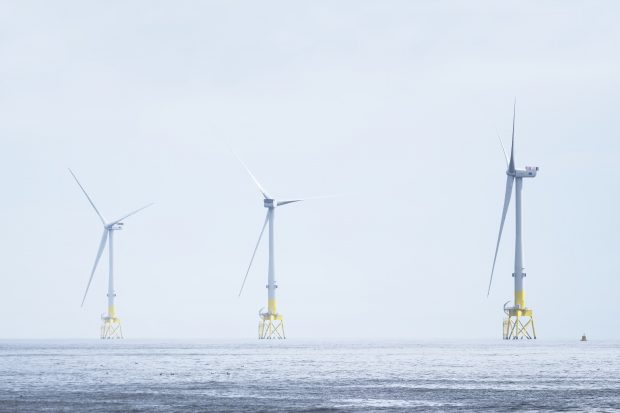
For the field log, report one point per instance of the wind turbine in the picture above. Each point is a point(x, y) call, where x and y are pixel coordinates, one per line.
point(111, 327)
point(513, 326)
point(271, 324)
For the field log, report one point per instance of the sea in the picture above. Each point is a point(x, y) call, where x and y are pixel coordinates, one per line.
point(309, 376)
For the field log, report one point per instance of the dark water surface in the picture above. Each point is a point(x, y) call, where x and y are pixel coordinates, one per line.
point(292, 376)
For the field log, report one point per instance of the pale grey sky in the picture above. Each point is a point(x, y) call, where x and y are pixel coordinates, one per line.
point(395, 103)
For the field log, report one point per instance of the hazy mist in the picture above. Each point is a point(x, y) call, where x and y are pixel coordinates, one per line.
point(396, 105)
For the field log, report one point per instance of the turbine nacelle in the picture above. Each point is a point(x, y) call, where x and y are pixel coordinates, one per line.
point(528, 172)
point(115, 226)
point(270, 203)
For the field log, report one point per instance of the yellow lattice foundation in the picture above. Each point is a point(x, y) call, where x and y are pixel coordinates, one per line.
point(518, 324)
point(111, 328)
point(271, 326)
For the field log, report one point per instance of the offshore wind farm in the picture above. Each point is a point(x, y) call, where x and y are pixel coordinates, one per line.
point(237, 292)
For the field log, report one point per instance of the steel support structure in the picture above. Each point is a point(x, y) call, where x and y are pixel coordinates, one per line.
point(111, 328)
point(271, 327)
point(519, 324)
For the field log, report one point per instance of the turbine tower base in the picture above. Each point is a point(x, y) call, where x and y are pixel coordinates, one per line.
point(111, 328)
point(271, 326)
point(519, 324)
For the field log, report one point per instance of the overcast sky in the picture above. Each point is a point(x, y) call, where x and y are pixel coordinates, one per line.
point(395, 104)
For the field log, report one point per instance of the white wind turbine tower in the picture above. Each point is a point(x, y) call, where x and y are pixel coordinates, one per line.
point(514, 326)
point(111, 327)
point(271, 324)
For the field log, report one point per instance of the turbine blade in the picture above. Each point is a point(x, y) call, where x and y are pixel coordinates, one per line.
point(509, 182)
point(290, 201)
point(87, 197)
point(511, 166)
point(104, 240)
point(503, 149)
point(131, 213)
point(260, 187)
point(254, 253)
point(280, 203)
